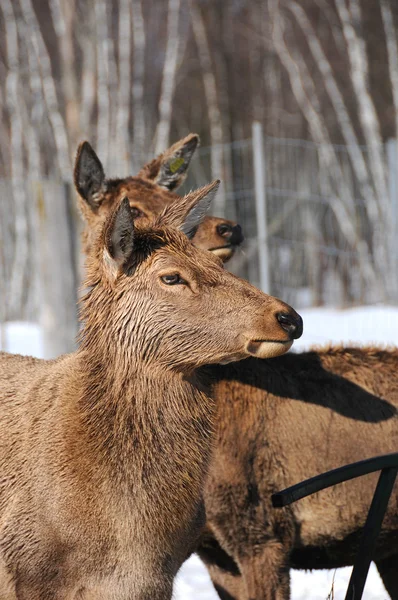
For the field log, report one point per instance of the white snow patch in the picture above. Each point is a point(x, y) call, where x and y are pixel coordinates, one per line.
point(22, 338)
point(363, 325)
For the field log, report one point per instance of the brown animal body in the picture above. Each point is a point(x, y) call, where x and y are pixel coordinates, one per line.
point(280, 422)
point(148, 193)
point(283, 421)
point(103, 453)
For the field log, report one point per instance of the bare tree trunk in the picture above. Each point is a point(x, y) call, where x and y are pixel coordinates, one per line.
point(367, 112)
point(162, 135)
point(341, 111)
point(112, 85)
point(370, 124)
point(140, 145)
point(210, 87)
point(4, 150)
point(327, 154)
point(3, 276)
point(36, 111)
point(123, 95)
point(88, 81)
point(392, 52)
point(49, 92)
point(14, 94)
point(103, 103)
point(34, 118)
point(58, 316)
point(63, 16)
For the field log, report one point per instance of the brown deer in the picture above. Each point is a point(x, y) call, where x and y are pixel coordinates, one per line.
point(280, 422)
point(283, 421)
point(148, 193)
point(104, 452)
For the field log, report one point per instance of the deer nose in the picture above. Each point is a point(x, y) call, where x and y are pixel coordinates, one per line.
point(232, 233)
point(293, 324)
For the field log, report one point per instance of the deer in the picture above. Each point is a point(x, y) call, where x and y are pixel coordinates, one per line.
point(148, 193)
point(104, 452)
point(280, 422)
point(266, 412)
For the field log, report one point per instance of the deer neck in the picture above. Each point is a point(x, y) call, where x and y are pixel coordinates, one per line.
point(146, 428)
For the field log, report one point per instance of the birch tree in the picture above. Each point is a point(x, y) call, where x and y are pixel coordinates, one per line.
point(213, 111)
point(300, 78)
point(162, 134)
point(140, 143)
point(13, 95)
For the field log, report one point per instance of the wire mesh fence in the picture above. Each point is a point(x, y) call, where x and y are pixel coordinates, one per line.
point(323, 247)
point(326, 243)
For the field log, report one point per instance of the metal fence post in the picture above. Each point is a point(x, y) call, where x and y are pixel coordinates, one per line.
point(392, 160)
point(261, 204)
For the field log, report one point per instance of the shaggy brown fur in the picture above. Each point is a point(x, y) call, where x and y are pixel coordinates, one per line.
point(148, 193)
point(326, 403)
point(103, 452)
point(283, 421)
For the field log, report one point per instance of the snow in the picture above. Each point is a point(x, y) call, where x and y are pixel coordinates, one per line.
point(363, 325)
point(23, 338)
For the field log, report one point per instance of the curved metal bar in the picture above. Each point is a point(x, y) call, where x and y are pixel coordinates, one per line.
point(325, 480)
point(370, 534)
point(388, 465)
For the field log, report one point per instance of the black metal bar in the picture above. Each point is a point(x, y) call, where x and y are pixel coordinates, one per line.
point(330, 478)
point(388, 465)
point(370, 533)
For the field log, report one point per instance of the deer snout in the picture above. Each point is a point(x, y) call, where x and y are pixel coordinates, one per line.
point(281, 328)
point(232, 233)
point(292, 323)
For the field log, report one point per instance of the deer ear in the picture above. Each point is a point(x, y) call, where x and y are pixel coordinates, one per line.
point(89, 175)
point(188, 213)
point(169, 169)
point(199, 209)
point(119, 234)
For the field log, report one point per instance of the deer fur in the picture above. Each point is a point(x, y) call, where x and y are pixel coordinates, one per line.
point(148, 193)
point(248, 546)
point(104, 452)
point(279, 423)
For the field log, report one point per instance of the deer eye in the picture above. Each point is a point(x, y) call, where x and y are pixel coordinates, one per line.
point(136, 212)
point(174, 279)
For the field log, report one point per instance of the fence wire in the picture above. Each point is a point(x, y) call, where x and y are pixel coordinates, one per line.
point(324, 247)
point(312, 259)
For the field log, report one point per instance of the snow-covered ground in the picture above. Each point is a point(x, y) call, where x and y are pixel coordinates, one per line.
point(364, 325)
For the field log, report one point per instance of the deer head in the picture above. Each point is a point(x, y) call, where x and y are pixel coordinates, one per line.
point(172, 304)
point(148, 193)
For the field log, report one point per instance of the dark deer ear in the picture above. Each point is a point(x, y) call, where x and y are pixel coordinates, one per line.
point(89, 175)
point(119, 234)
point(187, 213)
point(170, 168)
point(197, 213)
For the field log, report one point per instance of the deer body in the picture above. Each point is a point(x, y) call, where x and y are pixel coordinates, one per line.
point(280, 422)
point(96, 463)
point(283, 421)
point(104, 452)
